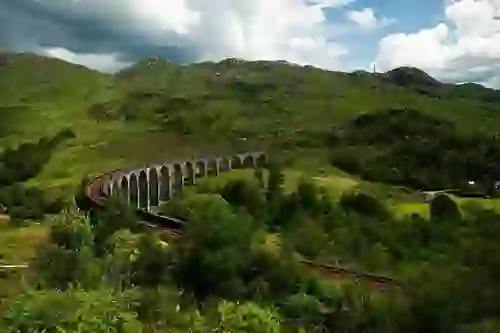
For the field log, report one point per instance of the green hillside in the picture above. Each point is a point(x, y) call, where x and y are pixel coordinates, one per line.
point(208, 107)
point(354, 150)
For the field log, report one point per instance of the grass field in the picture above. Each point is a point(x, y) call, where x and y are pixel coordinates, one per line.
point(17, 246)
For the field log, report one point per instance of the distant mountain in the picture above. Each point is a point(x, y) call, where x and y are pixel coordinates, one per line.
point(30, 78)
point(421, 82)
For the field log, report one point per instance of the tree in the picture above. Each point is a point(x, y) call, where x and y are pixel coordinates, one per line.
point(115, 215)
point(80, 197)
point(444, 208)
point(245, 194)
point(308, 196)
point(152, 264)
point(275, 182)
point(123, 246)
point(214, 253)
point(68, 256)
point(364, 204)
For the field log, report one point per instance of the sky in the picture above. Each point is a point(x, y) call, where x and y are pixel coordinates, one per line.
point(453, 40)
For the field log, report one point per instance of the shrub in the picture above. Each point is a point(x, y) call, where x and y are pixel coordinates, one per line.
point(444, 208)
point(248, 317)
point(364, 204)
point(70, 311)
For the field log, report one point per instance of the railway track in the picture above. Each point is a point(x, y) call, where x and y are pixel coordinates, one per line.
point(173, 227)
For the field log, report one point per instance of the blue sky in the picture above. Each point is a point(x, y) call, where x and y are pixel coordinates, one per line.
point(453, 40)
point(407, 16)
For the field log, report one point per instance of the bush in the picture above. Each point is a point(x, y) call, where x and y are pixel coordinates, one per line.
point(364, 204)
point(68, 257)
point(29, 203)
point(23, 213)
point(242, 193)
point(213, 255)
point(302, 310)
point(444, 208)
point(28, 159)
point(70, 311)
point(246, 318)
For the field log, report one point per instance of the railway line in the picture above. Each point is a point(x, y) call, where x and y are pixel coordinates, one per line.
point(96, 197)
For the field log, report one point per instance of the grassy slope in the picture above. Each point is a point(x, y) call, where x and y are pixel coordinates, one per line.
point(271, 104)
point(17, 246)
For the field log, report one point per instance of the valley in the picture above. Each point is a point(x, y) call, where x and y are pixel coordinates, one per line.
point(350, 159)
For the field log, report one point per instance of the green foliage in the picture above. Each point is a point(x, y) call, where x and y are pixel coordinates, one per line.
point(29, 203)
point(80, 196)
point(303, 310)
point(215, 253)
point(152, 265)
point(275, 182)
point(68, 257)
point(123, 247)
point(115, 215)
point(28, 159)
point(245, 194)
point(166, 310)
point(364, 204)
point(444, 208)
point(450, 270)
point(408, 147)
point(72, 311)
point(246, 318)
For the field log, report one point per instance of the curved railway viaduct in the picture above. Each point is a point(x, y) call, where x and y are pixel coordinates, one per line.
point(146, 187)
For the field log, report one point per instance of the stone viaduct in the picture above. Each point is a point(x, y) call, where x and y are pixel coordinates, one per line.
point(146, 187)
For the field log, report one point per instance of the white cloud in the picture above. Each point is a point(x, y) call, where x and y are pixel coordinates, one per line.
point(100, 62)
point(262, 29)
point(110, 32)
point(466, 46)
point(331, 3)
point(366, 19)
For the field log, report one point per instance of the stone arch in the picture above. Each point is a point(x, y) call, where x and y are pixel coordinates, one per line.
point(134, 191)
point(124, 189)
point(213, 167)
point(224, 164)
point(154, 192)
point(107, 187)
point(114, 187)
point(190, 173)
point(178, 178)
point(236, 162)
point(143, 189)
point(262, 161)
point(201, 168)
point(165, 183)
point(248, 161)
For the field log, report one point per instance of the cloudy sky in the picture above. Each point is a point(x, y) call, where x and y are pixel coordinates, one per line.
point(454, 40)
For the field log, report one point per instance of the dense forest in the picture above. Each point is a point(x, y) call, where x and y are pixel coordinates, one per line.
point(407, 147)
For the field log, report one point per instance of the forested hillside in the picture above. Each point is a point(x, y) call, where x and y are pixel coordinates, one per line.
point(349, 156)
point(213, 107)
